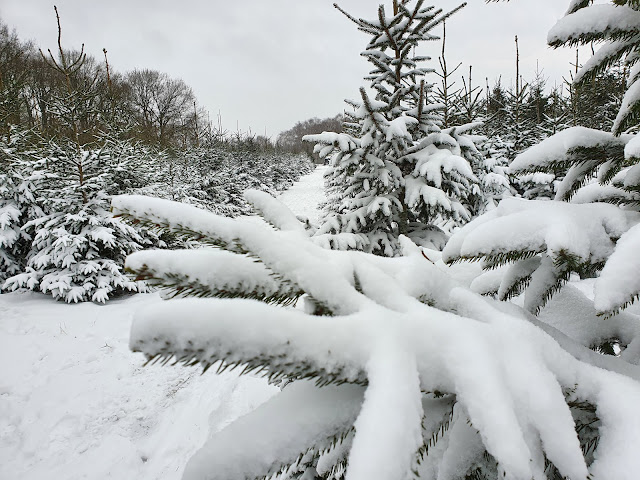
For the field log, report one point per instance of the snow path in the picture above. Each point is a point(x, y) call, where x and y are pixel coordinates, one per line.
point(303, 197)
point(75, 403)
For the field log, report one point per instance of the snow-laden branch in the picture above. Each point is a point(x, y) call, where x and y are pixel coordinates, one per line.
point(400, 327)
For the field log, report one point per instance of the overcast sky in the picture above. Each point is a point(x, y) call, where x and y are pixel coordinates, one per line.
point(266, 64)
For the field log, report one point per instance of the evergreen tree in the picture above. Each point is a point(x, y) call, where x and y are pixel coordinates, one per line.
point(497, 149)
point(595, 103)
point(460, 116)
point(445, 91)
point(556, 117)
point(471, 107)
point(19, 201)
point(519, 124)
point(424, 390)
point(597, 167)
point(77, 248)
point(546, 115)
point(494, 176)
point(537, 104)
point(401, 174)
point(494, 105)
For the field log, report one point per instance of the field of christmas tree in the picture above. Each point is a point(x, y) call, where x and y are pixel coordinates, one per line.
point(76, 403)
point(453, 297)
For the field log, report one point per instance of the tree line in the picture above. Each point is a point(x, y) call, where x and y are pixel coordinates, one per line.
point(145, 105)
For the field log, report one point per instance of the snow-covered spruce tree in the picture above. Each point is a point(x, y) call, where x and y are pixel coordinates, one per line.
point(544, 243)
point(556, 116)
point(400, 174)
point(12, 241)
point(496, 151)
point(445, 90)
point(459, 117)
point(393, 371)
point(595, 103)
point(518, 125)
point(77, 249)
point(494, 176)
point(20, 178)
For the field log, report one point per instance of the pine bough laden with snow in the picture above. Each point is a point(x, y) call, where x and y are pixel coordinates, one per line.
point(538, 245)
point(393, 370)
point(397, 172)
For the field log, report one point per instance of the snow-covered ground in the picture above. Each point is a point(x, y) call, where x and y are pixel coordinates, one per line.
point(303, 198)
point(75, 403)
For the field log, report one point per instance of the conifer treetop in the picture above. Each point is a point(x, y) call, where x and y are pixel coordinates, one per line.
point(617, 27)
point(396, 73)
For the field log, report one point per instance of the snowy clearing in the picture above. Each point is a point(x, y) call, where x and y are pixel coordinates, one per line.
point(76, 403)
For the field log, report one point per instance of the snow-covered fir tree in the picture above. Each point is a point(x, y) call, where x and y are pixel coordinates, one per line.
point(556, 116)
point(460, 117)
point(593, 227)
point(398, 173)
point(394, 369)
point(77, 248)
point(19, 202)
point(446, 91)
point(595, 102)
point(494, 177)
point(518, 125)
point(497, 149)
point(475, 196)
point(471, 107)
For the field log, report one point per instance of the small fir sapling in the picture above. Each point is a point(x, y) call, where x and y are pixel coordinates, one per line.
point(77, 248)
point(460, 118)
point(19, 202)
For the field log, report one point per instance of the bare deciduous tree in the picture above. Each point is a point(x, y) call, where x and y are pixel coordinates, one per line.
point(161, 104)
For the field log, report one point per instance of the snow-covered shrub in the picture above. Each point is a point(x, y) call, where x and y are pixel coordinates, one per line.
point(394, 170)
point(393, 370)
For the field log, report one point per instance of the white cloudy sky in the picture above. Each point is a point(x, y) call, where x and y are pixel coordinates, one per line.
point(265, 64)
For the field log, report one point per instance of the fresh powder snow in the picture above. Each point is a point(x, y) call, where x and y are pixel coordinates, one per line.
point(76, 403)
